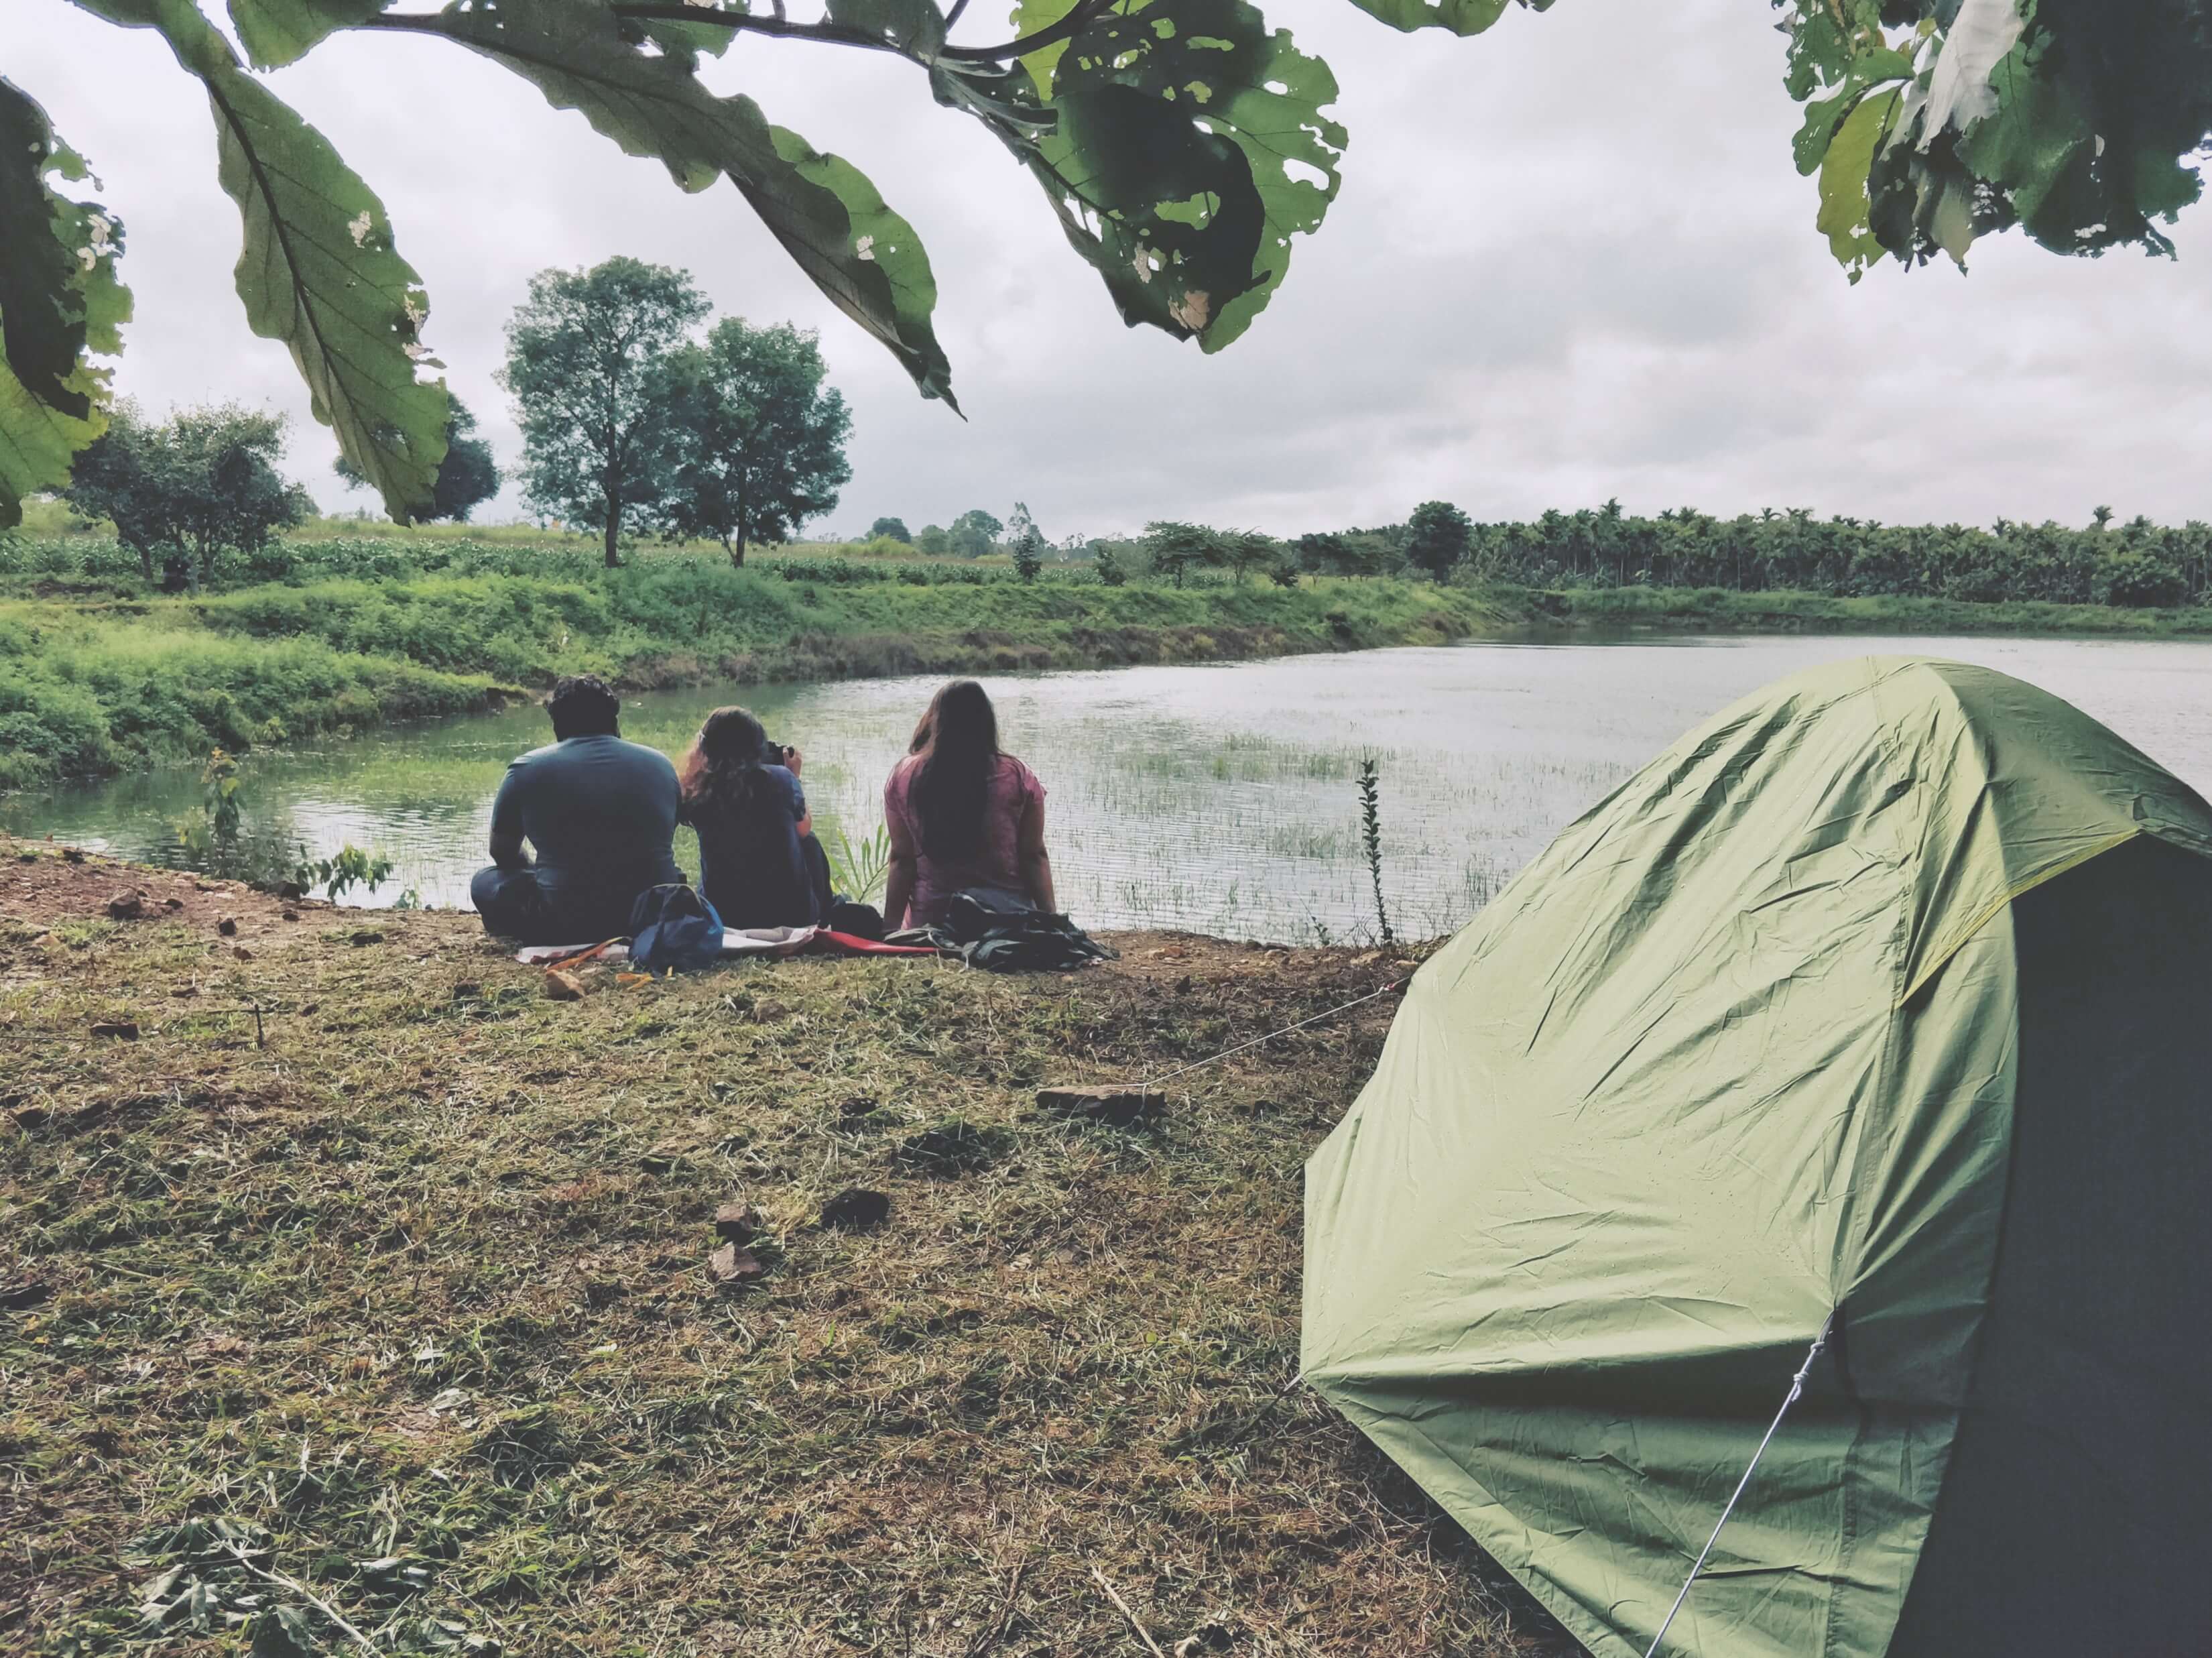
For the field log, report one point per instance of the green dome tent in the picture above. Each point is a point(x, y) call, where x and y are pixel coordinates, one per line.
point(1885, 995)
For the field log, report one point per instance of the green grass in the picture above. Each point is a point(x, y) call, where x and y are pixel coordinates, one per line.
point(97, 674)
point(1720, 610)
point(426, 1281)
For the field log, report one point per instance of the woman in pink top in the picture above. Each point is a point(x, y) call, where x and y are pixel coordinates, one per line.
point(961, 814)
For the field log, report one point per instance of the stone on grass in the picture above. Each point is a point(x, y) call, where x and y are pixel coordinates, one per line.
point(563, 987)
point(1121, 1108)
point(127, 906)
point(737, 1221)
point(227, 926)
point(731, 1264)
point(119, 1030)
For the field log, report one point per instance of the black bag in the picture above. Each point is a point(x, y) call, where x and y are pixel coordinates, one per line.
point(672, 926)
point(1003, 932)
point(860, 920)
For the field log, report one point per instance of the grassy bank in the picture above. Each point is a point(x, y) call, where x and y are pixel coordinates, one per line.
point(1718, 610)
point(418, 1297)
point(104, 675)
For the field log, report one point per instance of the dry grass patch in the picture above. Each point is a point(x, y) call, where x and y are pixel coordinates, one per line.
point(415, 1300)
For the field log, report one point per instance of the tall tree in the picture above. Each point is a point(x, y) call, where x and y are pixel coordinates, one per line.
point(467, 478)
point(1248, 550)
point(203, 483)
point(889, 529)
point(974, 532)
point(1439, 536)
point(934, 540)
point(1026, 542)
point(758, 438)
point(587, 360)
point(1173, 549)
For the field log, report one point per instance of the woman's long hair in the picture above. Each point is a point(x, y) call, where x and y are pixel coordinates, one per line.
point(723, 780)
point(958, 742)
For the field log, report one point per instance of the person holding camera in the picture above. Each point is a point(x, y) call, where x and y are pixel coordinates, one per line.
point(759, 864)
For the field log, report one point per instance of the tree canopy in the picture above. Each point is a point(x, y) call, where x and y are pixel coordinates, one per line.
point(203, 483)
point(1179, 144)
point(757, 440)
point(587, 363)
point(889, 529)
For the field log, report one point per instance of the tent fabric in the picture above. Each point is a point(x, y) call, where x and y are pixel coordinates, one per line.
point(1742, 1048)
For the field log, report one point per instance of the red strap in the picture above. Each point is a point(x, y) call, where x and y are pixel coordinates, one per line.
point(853, 944)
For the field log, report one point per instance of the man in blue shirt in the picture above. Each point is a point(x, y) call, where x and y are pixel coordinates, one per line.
point(599, 812)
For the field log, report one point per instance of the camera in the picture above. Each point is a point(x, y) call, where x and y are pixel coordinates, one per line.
point(774, 753)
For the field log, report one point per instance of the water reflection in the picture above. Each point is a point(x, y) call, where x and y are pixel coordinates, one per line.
point(1216, 798)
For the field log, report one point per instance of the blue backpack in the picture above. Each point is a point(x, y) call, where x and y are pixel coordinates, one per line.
point(672, 926)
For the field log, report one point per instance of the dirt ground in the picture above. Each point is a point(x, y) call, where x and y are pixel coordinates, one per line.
point(346, 1275)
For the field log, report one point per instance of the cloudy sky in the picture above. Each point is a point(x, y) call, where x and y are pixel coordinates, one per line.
point(1570, 259)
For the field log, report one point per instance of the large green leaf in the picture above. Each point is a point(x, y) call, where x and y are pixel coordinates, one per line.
point(1844, 207)
point(2083, 121)
point(60, 304)
point(279, 32)
point(1460, 16)
point(37, 443)
point(320, 272)
point(913, 26)
point(318, 269)
point(864, 257)
point(1181, 144)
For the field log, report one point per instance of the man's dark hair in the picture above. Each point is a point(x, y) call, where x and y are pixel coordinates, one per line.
point(582, 706)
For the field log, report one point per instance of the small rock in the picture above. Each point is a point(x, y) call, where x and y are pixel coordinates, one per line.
point(290, 915)
point(856, 1209)
point(731, 1264)
point(290, 889)
point(1121, 1108)
point(737, 1221)
point(45, 941)
point(563, 987)
point(857, 1105)
point(120, 1030)
point(467, 992)
point(227, 926)
point(210, 886)
point(172, 904)
point(127, 906)
point(241, 953)
point(72, 855)
point(367, 935)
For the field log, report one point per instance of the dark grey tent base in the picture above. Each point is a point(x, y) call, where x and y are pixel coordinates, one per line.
point(2076, 1517)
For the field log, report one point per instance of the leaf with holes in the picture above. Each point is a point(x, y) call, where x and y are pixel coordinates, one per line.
point(318, 271)
point(1181, 144)
point(60, 304)
point(863, 256)
point(1460, 16)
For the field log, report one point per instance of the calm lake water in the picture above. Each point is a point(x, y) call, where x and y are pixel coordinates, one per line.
point(1219, 799)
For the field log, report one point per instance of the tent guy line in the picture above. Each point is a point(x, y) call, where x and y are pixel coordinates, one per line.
point(1152, 1082)
point(1796, 1390)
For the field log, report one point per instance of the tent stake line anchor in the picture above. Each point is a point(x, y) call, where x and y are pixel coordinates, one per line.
point(1796, 1389)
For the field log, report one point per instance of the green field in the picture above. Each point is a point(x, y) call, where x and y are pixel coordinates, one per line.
point(99, 674)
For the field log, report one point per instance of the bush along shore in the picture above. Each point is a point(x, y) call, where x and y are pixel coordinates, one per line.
point(775, 1311)
point(98, 675)
point(1720, 610)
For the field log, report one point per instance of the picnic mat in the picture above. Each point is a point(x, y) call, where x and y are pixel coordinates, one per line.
point(773, 943)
